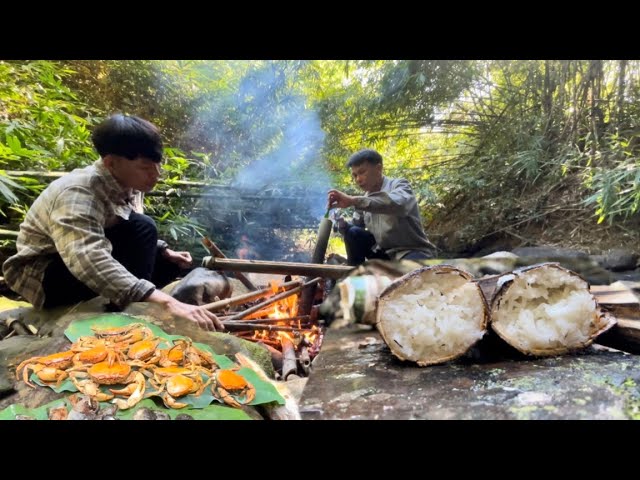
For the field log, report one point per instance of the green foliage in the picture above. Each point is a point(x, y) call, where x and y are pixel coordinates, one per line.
point(43, 126)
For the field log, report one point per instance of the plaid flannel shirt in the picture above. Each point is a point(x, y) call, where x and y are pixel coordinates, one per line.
point(69, 218)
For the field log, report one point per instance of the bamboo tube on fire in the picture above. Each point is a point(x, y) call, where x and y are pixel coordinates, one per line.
point(546, 310)
point(432, 315)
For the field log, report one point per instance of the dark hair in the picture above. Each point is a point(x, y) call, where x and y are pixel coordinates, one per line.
point(128, 136)
point(365, 155)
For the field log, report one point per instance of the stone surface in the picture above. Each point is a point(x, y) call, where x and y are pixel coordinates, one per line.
point(356, 377)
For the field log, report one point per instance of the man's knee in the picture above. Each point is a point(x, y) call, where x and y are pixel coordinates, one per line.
point(141, 222)
point(417, 255)
point(354, 234)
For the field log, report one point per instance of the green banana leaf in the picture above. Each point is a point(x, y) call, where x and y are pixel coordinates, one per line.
point(211, 412)
point(265, 392)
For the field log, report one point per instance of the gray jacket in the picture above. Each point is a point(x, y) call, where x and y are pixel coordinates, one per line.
point(392, 216)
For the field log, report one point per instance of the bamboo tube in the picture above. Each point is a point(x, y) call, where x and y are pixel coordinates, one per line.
point(280, 268)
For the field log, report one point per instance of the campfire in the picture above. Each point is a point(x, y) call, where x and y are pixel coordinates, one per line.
point(273, 317)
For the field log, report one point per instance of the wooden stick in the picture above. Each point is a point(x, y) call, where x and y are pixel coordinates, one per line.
point(281, 268)
point(248, 297)
point(269, 301)
point(240, 326)
point(216, 252)
point(299, 318)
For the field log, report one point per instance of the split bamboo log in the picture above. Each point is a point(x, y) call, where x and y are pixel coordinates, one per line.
point(432, 315)
point(546, 310)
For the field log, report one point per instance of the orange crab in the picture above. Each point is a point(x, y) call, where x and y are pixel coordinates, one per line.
point(194, 356)
point(49, 369)
point(232, 388)
point(131, 333)
point(171, 357)
point(175, 382)
point(134, 392)
point(143, 349)
point(102, 373)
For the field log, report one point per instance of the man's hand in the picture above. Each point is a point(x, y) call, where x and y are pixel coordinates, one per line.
point(182, 259)
point(204, 318)
point(338, 199)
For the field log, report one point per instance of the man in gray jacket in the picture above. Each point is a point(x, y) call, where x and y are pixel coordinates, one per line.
point(387, 223)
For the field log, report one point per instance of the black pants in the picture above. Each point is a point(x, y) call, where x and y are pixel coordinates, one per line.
point(359, 242)
point(135, 246)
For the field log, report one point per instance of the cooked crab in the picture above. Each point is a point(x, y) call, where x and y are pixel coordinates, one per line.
point(49, 368)
point(232, 388)
point(175, 382)
point(131, 333)
point(102, 373)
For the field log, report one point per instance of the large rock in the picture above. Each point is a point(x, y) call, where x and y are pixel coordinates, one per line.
point(202, 286)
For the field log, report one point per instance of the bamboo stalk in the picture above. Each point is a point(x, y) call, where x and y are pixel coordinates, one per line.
point(248, 297)
point(280, 296)
point(216, 252)
point(289, 361)
point(305, 360)
point(281, 268)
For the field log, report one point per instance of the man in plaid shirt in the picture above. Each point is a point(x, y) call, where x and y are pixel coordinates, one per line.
point(85, 235)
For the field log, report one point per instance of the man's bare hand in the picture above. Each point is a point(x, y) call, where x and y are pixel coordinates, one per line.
point(204, 318)
point(338, 199)
point(182, 259)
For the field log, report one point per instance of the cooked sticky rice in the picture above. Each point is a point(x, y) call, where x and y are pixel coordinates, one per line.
point(545, 310)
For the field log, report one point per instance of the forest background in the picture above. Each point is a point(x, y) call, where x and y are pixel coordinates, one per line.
point(500, 154)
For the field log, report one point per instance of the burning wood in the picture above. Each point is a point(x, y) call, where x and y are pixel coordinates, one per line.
point(293, 340)
point(248, 297)
point(273, 300)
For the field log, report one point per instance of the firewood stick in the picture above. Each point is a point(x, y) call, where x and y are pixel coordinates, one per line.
point(281, 268)
point(239, 326)
point(299, 318)
point(216, 252)
point(289, 361)
point(248, 297)
point(269, 301)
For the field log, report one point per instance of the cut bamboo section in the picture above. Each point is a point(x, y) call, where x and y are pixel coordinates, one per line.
point(546, 310)
point(432, 315)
